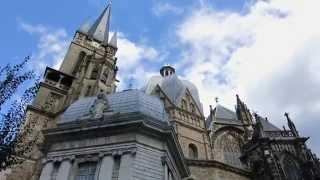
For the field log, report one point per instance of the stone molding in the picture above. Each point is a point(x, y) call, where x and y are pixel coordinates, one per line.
point(91, 155)
point(220, 165)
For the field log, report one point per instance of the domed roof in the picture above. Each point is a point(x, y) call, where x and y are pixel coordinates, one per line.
point(173, 87)
point(122, 102)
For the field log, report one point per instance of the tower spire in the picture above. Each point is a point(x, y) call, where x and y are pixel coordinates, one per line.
point(100, 28)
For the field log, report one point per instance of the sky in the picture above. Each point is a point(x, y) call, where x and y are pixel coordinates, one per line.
point(267, 51)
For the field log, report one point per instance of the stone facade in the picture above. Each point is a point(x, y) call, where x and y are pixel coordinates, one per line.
point(84, 129)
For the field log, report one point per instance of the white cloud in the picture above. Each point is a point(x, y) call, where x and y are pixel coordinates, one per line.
point(134, 62)
point(162, 8)
point(131, 54)
point(270, 56)
point(52, 45)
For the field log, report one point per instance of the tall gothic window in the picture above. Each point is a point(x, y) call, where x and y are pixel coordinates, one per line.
point(80, 59)
point(227, 149)
point(193, 108)
point(86, 171)
point(95, 72)
point(193, 151)
point(291, 168)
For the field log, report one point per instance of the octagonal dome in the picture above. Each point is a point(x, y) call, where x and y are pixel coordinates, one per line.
point(172, 86)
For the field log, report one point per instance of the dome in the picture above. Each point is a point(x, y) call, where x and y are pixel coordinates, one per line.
point(173, 87)
point(122, 102)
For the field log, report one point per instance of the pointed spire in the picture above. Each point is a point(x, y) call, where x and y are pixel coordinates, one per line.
point(291, 125)
point(243, 112)
point(100, 28)
point(114, 40)
point(258, 127)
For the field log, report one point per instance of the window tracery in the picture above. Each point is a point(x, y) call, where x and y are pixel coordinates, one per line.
point(291, 168)
point(227, 149)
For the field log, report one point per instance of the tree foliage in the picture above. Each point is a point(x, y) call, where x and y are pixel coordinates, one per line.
point(12, 123)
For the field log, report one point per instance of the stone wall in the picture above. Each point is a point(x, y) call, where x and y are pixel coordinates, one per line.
point(216, 171)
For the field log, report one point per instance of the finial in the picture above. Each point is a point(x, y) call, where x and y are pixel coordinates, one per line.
point(217, 99)
point(287, 115)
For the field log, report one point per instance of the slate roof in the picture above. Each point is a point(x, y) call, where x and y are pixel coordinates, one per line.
point(122, 102)
point(223, 115)
point(174, 88)
point(268, 126)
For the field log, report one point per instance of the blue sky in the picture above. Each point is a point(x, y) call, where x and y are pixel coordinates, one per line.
point(266, 51)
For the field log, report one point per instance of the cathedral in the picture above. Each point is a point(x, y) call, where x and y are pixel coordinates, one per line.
point(87, 130)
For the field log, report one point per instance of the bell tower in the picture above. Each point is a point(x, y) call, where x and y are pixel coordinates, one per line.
point(91, 58)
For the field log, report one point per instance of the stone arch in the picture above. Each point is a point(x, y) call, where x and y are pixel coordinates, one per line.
point(227, 146)
point(291, 168)
point(193, 151)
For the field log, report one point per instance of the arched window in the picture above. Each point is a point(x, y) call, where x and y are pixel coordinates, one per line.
point(193, 108)
point(80, 59)
point(227, 149)
point(184, 104)
point(193, 151)
point(291, 168)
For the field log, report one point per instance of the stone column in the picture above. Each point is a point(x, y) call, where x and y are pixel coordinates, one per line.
point(46, 171)
point(106, 168)
point(126, 165)
point(64, 170)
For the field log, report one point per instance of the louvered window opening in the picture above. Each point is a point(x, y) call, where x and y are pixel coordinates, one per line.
point(116, 168)
point(54, 173)
point(87, 171)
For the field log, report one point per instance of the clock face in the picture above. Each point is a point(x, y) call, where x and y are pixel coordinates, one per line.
point(95, 44)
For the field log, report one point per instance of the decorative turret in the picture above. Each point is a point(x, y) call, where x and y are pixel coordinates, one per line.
point(291, 125)
point(167, 71)
point(114, 41)
point(244, 115)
